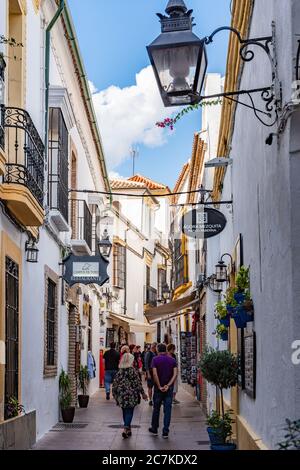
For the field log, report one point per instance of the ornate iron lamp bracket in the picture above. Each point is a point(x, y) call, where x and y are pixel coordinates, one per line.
point(271, 95)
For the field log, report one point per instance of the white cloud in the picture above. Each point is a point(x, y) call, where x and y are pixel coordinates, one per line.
point(93, 89)
point(114, 175)
point(127, 116)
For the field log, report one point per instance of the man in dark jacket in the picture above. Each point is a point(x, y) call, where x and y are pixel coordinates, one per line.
point(111, 360)
point(149, 373)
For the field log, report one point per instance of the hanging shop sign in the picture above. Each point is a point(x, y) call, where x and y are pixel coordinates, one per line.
point(85, 270)
point(203, 223)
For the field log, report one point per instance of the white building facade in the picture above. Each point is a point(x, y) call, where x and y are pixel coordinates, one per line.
point(262, 230)
point(45, 326)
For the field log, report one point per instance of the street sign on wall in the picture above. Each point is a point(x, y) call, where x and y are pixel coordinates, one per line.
point(203, 223)
point(85, 270)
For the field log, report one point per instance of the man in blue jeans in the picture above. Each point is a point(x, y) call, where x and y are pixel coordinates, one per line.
point(111, 360)
point(164, 373)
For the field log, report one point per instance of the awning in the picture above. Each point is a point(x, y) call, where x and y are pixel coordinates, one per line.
point(172, 309)
point(134, 325)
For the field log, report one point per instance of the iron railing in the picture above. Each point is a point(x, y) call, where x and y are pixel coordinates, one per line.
point(81, 221)
point(2, 98)
point(151, 296)
point(2, 114)
point(26, 152)
point(58, 163)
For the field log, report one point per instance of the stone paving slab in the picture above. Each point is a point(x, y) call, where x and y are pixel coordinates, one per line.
point(102, 418)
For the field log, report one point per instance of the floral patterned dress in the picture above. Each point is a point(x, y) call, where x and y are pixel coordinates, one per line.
point(127, 388)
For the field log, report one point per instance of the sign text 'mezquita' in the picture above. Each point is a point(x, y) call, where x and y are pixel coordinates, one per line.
point(203, 223)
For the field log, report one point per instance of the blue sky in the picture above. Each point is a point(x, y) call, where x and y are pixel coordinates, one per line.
point(113, 36)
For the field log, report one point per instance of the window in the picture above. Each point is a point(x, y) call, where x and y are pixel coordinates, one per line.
point(162, 279)
point(179, 264)
point(11, 331)
point(58, 163)
point(51, 323)
point(119, 266)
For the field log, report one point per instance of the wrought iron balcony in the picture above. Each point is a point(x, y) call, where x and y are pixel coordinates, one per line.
point(25, 150)
point(151, 296)
point(82, 226)
point(2, 114)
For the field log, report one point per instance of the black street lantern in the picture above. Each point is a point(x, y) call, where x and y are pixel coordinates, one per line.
point(104, 245)
point(221, 269)
point(32, 251)
point(166, 292)
point(178, 57)
point(221, 272)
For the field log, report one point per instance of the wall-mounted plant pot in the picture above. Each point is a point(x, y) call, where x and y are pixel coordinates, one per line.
point(240, 318)
point(214, 436)
point(83, 401)
point(239, 297)
point(68, 414)
point(225, 321)
point(223, 447)
point(224, 336)
point(248, 305)
point(230, 309)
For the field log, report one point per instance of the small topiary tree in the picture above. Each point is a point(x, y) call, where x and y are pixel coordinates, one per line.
point(220, 368)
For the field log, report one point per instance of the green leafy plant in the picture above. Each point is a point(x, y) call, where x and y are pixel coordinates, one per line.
point(220, 309)
point(229, 299)
point(219, 368)
point(221, 330)
point(83, 378)
point(243, 279)
point(13, 408)
point(65, 390)
point(222, 425)
point(292, 438)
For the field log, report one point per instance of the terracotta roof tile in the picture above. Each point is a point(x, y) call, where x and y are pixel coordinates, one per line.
point(148, 182)
point(126, 184)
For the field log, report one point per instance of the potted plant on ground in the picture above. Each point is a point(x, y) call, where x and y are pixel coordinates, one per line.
point(222, 314)
point(84, 379)
point(222, 332)
point(219, 429)
point(220, 368)
point(67, 411)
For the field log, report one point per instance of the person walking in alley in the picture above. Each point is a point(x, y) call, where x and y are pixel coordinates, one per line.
point(127, 390)
point(149, 356)
point(164, 375)
point(111, 361)
point(171, 348)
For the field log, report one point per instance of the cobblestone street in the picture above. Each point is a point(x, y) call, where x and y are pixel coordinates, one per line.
point(99, 427)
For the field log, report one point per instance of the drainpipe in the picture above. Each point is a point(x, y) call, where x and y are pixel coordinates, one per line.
point(125, 290)
point(47, 70)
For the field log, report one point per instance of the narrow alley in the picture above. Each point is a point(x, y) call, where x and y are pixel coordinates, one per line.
point(99, 427)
